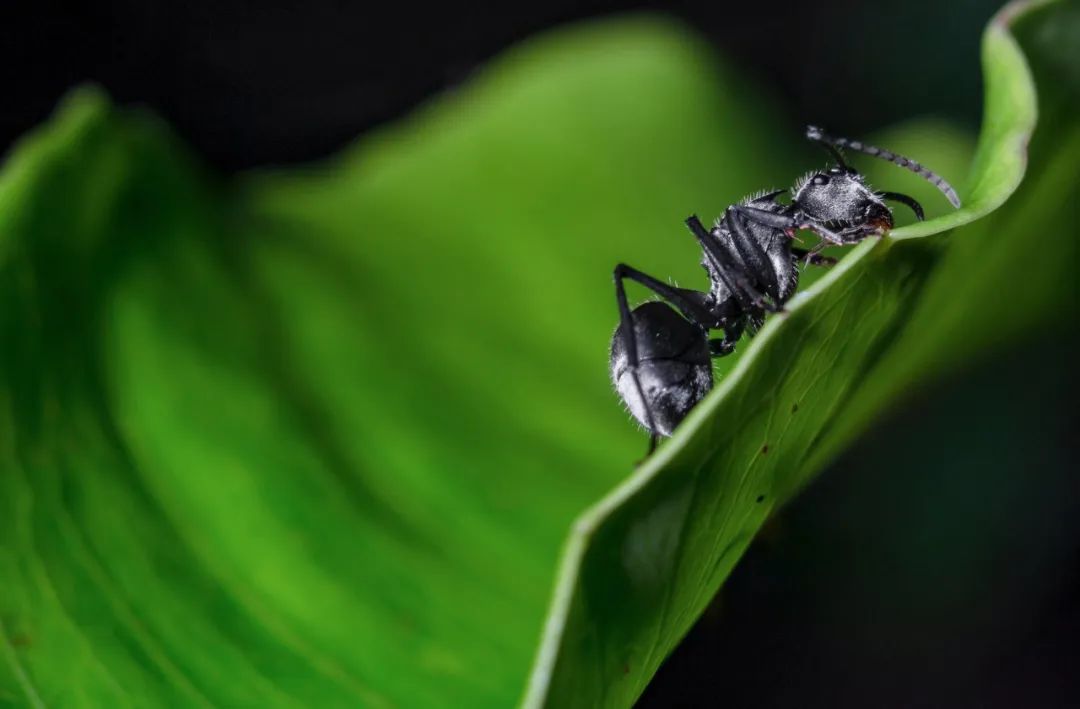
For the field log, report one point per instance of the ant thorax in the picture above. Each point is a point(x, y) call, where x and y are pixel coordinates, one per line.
point(773, 242)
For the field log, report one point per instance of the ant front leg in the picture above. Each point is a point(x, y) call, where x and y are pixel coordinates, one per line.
point(781, 221)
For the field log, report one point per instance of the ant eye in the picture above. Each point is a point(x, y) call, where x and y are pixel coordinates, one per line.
point(820, 180)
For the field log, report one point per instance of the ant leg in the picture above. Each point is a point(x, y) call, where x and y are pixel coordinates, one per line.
point(723, 347)
point(752, 254)
point(813, 257)
point(780, 221)
point(692, 305)
point(630, 343)
point(764, 216)
point(731, 274)
point(827, 235)
point(904, 199)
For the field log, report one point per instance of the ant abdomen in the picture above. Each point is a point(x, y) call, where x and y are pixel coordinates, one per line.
point(674, 367)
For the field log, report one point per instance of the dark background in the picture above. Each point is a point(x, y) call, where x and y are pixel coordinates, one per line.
point(935, 564)
point(266, 83)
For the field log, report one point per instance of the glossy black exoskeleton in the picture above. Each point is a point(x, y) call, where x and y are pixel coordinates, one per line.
point(661, 353)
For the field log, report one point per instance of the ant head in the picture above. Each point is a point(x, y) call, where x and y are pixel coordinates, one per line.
point(839, 198)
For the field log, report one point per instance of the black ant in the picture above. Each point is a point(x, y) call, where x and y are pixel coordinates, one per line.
point(661, 360)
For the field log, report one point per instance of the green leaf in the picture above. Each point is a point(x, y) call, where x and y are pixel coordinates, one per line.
point(642, 564)
point(316, 437)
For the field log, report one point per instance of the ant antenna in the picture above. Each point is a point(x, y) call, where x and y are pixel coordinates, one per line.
point(838, 157)
point(819, 136)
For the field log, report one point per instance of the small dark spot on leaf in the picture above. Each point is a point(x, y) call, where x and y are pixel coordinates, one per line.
point(765, 449)
point(626, 668)
point(760, 498)
point(20, 640)
point(794, 408)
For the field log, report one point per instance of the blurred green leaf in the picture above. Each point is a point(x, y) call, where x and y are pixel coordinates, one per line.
point(316, 437)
